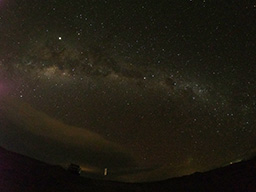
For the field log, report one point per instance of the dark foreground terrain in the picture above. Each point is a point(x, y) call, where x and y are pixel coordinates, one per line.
point(20, 173)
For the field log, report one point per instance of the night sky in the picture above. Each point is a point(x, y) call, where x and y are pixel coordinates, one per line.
point(149, 89)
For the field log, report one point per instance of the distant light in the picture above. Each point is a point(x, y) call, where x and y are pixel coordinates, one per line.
point(60, 38)
point(105, 171)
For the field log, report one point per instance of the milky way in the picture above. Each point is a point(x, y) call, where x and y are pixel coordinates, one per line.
point(172, 84)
